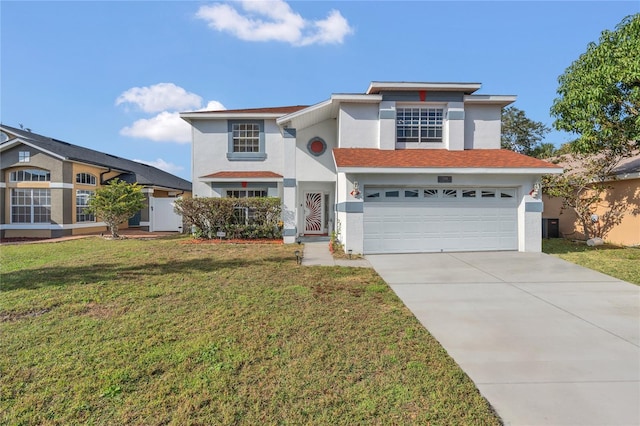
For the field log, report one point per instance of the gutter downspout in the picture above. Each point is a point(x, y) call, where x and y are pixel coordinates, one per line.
point(102, 176)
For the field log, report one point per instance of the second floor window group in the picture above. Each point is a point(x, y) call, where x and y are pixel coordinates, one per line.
point(419, 124)
point(246, 137)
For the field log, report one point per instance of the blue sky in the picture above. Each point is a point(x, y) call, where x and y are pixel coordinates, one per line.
point(112, 76)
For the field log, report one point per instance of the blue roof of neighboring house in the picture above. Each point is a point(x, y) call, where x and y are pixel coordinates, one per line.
point(133, 171)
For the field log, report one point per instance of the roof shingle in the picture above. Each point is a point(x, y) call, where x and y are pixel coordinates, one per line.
point(435, 158)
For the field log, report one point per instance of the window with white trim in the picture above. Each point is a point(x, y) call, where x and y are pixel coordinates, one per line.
point(24, 156)
point(82, 202)
point(419, 124)
point(246, 193)
point(85, 179)
point(246, 137)
point(30, 205)
point(30, 175)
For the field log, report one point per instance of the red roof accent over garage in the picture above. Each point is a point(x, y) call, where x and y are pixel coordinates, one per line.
point(433, 158)
point(243, 175)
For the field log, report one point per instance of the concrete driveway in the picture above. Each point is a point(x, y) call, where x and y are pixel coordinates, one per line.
point(547, 342)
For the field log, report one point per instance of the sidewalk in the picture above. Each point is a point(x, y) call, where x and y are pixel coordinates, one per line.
point(317, 254)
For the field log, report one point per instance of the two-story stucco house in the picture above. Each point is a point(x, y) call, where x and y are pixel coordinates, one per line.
point(404, 167)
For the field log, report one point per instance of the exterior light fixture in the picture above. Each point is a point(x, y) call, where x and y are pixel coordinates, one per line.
point(350, 253)
point(356, 189)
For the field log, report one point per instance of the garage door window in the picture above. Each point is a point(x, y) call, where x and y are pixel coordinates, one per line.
point(434, 194)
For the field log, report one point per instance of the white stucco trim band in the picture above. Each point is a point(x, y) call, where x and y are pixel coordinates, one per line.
point(50, 226)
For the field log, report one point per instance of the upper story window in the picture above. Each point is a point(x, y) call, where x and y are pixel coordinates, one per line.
point(86, 179)
point(30, 175)
point(246, 140)
point(24, 156)
point(246, 137)
point(419, 124)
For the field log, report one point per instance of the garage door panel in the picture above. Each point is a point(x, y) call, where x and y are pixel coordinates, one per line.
point(459, 225)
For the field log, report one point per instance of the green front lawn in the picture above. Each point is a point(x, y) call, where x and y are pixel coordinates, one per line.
point(619, 262)
point(161, 332)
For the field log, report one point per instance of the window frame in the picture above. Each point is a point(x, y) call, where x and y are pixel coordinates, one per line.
point(246, 191)
point(14, 175)
point(81, 216)
point(415, 124)
point(92, 179)
point(31, 206)
point(24, 156)
point(246, 156)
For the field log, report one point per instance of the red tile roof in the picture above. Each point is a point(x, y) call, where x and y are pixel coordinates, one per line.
point(268, 110)
point(434, 158)
point(243, 175)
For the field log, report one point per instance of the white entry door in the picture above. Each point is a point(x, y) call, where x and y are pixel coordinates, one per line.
point(163, 215)
point(314, 213)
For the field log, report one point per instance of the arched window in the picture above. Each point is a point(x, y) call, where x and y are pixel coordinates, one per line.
point(85, 179)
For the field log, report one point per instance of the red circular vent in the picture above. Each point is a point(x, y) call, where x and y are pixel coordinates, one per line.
point(317, 147)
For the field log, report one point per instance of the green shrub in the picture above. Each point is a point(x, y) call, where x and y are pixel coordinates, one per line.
point(239, 218)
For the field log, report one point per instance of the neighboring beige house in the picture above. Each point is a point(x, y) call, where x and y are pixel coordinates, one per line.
point(45, 185)
point(625, 187)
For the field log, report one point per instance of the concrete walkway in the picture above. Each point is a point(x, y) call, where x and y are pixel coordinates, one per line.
point(317, 254)
point(546, 342)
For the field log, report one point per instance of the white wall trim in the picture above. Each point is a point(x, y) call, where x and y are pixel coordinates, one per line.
point(50, 226)
point(60, 185)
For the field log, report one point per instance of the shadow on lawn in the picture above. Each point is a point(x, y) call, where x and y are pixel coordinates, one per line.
point(32, 279)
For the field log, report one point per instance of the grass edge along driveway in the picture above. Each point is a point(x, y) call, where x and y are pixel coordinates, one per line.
point(618, 262)
point(157, 331)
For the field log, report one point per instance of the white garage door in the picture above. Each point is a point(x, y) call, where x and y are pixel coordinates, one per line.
point(413, 220)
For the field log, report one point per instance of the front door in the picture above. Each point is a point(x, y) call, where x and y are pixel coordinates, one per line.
point(314, 213)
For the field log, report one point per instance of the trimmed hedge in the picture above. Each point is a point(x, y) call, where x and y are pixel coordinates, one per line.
point(243, 218)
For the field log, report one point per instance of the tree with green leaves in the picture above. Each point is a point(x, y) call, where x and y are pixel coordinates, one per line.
point(521, 134)
point(599, 93)
point(600, 102)
point(585, 188)
point(116, 202)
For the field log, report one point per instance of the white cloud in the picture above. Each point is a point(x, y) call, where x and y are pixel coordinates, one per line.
point(160, 97)
point(163, 165)
point(167, 99)
point(213, 106)
point(164, 127)
point(274, 20)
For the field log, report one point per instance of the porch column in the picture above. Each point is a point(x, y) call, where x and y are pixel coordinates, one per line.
point(289, 185)
point(350, 213)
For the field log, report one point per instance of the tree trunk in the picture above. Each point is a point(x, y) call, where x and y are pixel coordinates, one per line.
point(114, 230)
